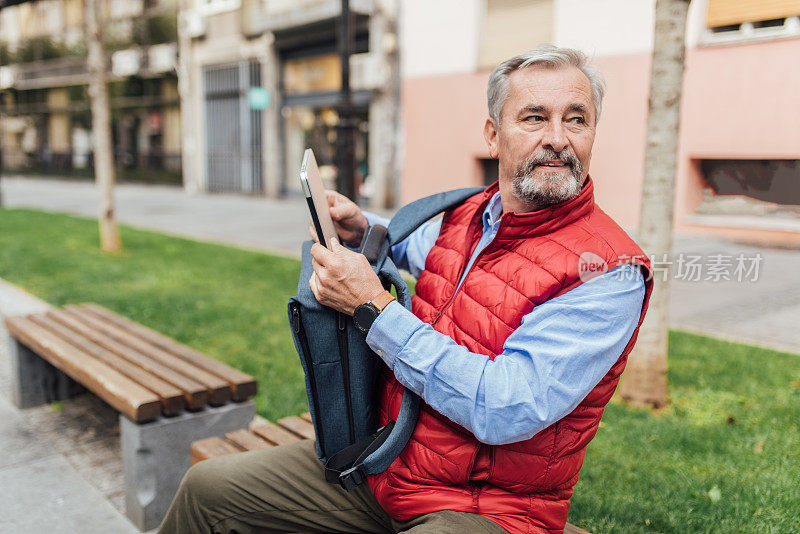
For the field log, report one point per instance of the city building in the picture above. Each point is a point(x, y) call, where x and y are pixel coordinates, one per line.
point(262, 83)
point(739, 156)
point(46, 126)
point(252, 83)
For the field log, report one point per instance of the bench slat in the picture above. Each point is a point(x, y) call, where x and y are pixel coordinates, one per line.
point(172, 401)
point(243, 386)
point(125, 395)
point(211, 448)
point(218, 389)
point(306, 416)
point(274, 434)
point(246, 440)
point(195, 394)
point(297, 426)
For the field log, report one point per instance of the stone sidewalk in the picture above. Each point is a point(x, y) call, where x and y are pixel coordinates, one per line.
point(60, 469)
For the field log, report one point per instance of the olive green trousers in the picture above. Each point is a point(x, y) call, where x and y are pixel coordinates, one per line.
point(283, 489)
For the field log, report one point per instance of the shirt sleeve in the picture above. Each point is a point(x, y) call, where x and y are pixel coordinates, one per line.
point(549, 364)
point(410, 253)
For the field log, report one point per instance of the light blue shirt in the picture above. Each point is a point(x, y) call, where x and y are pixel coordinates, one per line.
point(548, 365)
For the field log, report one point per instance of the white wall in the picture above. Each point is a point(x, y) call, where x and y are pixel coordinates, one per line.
point(696, 23)
point(439, 36)
point(9, 26)
point(605, 27)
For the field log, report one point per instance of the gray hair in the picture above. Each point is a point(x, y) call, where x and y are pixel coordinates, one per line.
point(548, 56)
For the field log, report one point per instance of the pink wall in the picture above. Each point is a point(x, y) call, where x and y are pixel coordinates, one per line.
point(618, 155)
point(739, 101)
point(443, 118)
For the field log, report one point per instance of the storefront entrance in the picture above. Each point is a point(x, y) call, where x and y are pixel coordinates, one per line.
point(233, 129)
point(315, 128)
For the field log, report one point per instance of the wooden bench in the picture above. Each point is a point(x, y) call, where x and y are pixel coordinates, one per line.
point(261, 434)
point(168, 395)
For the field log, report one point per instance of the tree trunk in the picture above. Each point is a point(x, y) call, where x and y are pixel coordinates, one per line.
point(645, 380)
point(185, 87)
point(101, 126)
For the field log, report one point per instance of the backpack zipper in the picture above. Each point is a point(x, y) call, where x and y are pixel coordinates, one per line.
point(344, 356)
point(300, 332)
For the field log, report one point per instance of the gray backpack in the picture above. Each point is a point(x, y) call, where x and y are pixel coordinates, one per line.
point(341, 371)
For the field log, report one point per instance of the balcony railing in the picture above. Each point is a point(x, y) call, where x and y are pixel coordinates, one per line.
point(285, 14)
point(146, 61)
point(51, 73)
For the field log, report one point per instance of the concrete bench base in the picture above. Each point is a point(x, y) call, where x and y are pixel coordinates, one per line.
point(34, 381)
point(153, 454)
point(154, 457)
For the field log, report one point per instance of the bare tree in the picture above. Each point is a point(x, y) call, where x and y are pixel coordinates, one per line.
point(645, 381)
point(101, 126)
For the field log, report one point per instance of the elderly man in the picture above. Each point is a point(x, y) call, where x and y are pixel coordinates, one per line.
point(513, 344)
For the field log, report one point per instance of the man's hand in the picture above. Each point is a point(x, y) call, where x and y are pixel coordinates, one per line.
point(349, 221)
point(342, 279)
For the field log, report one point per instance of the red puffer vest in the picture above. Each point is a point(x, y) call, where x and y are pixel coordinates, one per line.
point(524, 486)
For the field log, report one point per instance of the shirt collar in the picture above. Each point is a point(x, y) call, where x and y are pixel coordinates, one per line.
point(493, 211)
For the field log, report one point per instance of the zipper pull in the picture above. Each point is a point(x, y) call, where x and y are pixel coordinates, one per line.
point(342, 323)
point(295, 319)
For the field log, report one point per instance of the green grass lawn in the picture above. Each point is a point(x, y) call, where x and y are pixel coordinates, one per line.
point(724, 456)
point(225, 302)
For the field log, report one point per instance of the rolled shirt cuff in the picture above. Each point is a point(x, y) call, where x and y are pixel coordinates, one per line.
point(391, 331)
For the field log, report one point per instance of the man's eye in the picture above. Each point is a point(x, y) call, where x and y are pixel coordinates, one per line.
point(534, 118)
point(578, 120)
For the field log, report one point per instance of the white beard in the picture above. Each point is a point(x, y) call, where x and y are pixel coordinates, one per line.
point(552, 188)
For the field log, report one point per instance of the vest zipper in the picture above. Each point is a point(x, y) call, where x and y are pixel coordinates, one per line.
point(344, 356)
point(300, 333)
point(460, 273)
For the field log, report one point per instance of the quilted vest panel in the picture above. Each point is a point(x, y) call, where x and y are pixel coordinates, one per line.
point(524, 486)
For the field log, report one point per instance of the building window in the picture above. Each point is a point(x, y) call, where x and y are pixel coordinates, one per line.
point(489, 170)
point(771, 23)
point(734, 21)
point(726, 28)
point(751, 187)
point(512, 26)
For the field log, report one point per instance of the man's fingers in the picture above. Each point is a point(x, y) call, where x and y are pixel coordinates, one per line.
point(341, 211)
point(332, 197)
point(314, 285)
point(320, 254)
point(313, 232)
point(339, 205)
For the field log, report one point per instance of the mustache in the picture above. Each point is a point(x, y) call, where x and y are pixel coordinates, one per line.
point(534, 160)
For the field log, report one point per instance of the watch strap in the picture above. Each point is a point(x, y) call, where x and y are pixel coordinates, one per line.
point(382, 300)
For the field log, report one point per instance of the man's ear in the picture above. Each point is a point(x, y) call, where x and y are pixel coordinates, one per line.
point(490, 134)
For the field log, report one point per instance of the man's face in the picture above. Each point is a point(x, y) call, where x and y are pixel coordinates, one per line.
point(544, 142)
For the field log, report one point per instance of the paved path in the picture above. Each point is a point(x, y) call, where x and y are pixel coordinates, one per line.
point(764, 311)
point(60, 466)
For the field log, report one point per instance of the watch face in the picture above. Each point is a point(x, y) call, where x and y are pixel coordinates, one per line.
point(364, 316)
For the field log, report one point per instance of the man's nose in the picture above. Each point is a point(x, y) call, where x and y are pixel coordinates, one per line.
point(554, 136)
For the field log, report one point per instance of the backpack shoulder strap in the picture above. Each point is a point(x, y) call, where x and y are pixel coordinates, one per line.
point(411, 216)
point(373, 454)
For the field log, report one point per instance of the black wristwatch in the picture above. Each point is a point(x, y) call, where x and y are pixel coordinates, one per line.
point(366, 313)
